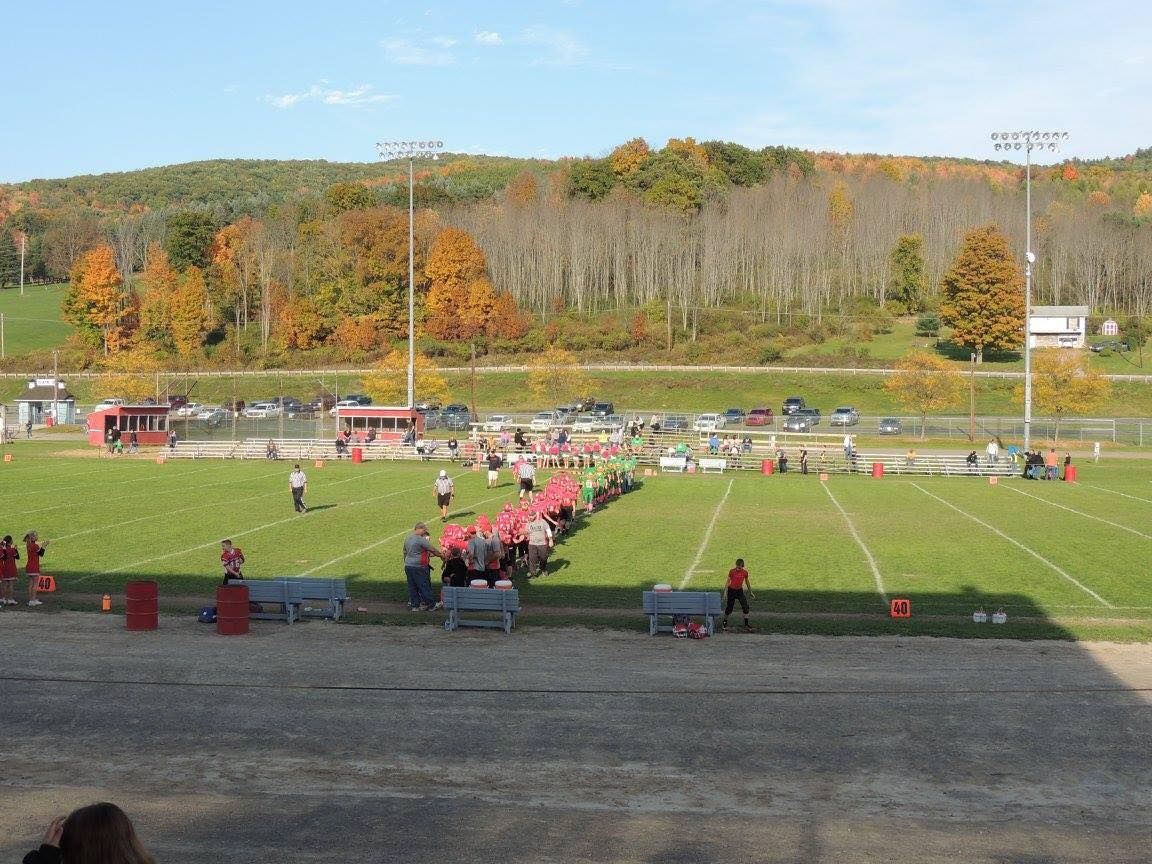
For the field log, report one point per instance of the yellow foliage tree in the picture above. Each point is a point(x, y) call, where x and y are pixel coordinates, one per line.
point(1143, 205)
point(389, 384)
point(629, 157)
point(523, 190)
point(691, 150)
point(159, 284)
point(455, 306)
point(93, 299)
point(923, 382)
point(299, 324)
point(188, 312)
point(983, 294)
point(130, 374)
point(555, 377)
point(1062, 385)
point(841, 208)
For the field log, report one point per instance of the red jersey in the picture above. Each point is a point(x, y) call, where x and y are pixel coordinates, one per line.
point(737, 576)
point(32, 562)
point(8, 556)
point(232, 559)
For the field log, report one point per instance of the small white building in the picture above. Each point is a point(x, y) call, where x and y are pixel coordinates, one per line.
point(46, 398)
point(1109, 328)
point(1058, 326)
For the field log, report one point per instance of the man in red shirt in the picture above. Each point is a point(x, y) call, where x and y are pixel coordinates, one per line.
point(737, 581)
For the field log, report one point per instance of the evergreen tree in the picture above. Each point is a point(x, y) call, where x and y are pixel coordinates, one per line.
point(9, 260)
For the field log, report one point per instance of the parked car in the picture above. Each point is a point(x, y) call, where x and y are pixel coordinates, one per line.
point(425, 405)
point(456, 408)
point(213, 416)
point(1111, 345)
point(792, 404)
point(177, 401)
point(105, 404)
point(584, 405)
point(297, 411)
point(611, 422)
point(454, 420)
point(734, 416)
point(205, 410)
point(342, 405)
point(675, 423)
point(262, 409)
point(544, 421)
point(890, 426)
point(760, 417)
point(497, 422)
point(813, 414)
point(844, 416)
point(190, 409)
point(322, 402)
point(799, 423)
point(708, 422)
point(584, 423)
point(603, 409)
point(359, 398)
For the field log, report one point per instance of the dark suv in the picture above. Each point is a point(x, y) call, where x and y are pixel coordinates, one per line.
point(793, 405)
point(603, 409)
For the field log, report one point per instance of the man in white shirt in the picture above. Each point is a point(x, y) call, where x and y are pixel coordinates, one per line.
point(298, 483)
point(526, 471)
point(993, 451)
point(443, 489)
point(539, 543)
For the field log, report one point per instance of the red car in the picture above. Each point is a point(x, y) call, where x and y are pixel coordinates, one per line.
point(759, 417)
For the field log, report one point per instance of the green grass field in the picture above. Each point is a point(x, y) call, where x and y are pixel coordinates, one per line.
point(32, 322)
point(1064, 560)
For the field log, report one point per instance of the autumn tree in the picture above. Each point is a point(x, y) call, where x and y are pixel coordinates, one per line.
point(524, 189)
point(555, 377)
point(356, 334)
point(459, 293)
point(93, 300)
point(130, 374)
point(983, 294)
point(299, 324)
point(388, 385)
point(923, 382)
point(907, 282)
point(188, 316)
point(1062, 385)
point(158, 285)
point(342, 197)
point(629, 157)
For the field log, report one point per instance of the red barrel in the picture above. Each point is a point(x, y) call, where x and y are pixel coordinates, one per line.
point(49, 421)
point(357, 455)
point(767, 467)
point(232, 610)
point(142, 605)
point(1070, 473)
point(877, 469)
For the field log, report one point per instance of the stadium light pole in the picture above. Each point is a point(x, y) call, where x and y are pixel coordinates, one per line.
point(1027, 142)
point(410, 150)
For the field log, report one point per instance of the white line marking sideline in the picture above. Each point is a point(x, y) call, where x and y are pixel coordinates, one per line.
point(1019, 545)
point(860, 542)
point(1079, 513)
point(707, 536)
point(1114, 492)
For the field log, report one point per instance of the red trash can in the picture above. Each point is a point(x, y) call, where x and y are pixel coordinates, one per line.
point(357, 455)
point(49, 421)
point(142, 605)
point(767, 466)
point(877, 469)
point(1070, 473)
point(232, 610)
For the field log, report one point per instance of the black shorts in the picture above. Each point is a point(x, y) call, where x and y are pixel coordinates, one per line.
point(734, 595)
point(444, 500)
point(527, 484)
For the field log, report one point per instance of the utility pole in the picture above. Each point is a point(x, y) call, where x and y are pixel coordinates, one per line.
point(55, 386)
point(2, 354)
point(23, 243)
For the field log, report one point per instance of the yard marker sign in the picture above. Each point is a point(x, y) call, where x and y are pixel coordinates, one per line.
point(900, 608)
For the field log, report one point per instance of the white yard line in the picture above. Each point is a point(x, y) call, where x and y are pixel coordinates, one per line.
point(1020, 546)
point(860, 542)
point(707, 536)
point(388, 539)
point(1080, 513)
point(294, 517)
point(1114, 492)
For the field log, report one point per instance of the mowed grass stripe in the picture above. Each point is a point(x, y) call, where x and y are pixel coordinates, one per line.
point(1019, 545)
point(859, 542)
point(703, 547)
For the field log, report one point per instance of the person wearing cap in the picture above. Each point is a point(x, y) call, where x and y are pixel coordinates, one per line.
point(443, 489)
point(418, 553)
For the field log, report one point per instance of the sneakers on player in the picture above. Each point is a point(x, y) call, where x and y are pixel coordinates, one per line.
point(438, 605)
point(35, 602)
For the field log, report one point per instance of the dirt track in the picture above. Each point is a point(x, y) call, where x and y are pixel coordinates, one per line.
point(331, 743)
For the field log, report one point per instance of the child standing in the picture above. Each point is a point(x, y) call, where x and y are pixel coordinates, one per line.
point(233, 559)
point(9, 555)
point(34, 551)
point(737, 580)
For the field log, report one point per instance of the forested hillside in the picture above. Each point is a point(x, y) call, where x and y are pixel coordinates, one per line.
point(644, 247)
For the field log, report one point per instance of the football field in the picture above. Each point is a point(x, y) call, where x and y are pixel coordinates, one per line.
point(1068, 558)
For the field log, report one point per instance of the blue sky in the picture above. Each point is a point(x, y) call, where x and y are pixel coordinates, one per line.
point(96, 87)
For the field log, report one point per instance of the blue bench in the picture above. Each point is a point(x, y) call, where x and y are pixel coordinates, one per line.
point(503, 601)
point(333, 593)
point(273, 592)
point(291, 593)
point(671, 603)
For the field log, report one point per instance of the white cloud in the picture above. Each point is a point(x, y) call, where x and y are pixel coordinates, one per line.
point(563, 49)
point(406, 52)
point(357, 96)
point(488, 37)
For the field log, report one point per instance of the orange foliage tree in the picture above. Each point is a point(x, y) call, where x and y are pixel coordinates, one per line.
point(188, 317)
point(158, 282)
point(629, 157)
point(983, 294)
point(93, 301)
point(299, 324)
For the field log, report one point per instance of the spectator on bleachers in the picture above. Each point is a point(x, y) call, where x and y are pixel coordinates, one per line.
point(96, 833)
point(270, 450)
